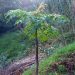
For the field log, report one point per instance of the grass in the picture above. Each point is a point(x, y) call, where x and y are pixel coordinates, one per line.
point(57, 56)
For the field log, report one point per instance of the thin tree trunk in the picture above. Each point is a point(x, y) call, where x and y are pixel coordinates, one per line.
point(37, 62)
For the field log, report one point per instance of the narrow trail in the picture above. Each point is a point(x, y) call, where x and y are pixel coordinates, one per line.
point(18, 67)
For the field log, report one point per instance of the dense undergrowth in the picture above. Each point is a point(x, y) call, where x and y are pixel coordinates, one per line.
point(55, 57)
point(13, 45)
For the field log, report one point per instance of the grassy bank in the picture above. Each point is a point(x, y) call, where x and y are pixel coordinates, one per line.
point(57, 56)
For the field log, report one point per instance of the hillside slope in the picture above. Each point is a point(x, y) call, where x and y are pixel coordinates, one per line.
point(48, 66)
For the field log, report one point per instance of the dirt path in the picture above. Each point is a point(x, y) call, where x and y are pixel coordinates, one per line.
point(18, 67)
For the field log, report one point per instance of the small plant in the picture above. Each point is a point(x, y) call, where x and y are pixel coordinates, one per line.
point(38, 26)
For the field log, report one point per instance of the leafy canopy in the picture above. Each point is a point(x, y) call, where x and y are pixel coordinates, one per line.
point(44, 23)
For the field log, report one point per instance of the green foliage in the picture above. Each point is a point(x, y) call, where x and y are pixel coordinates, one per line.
point(29, 72)
point(45, 30)
point(20, 15)
point(57, 20)
point(42, 22)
